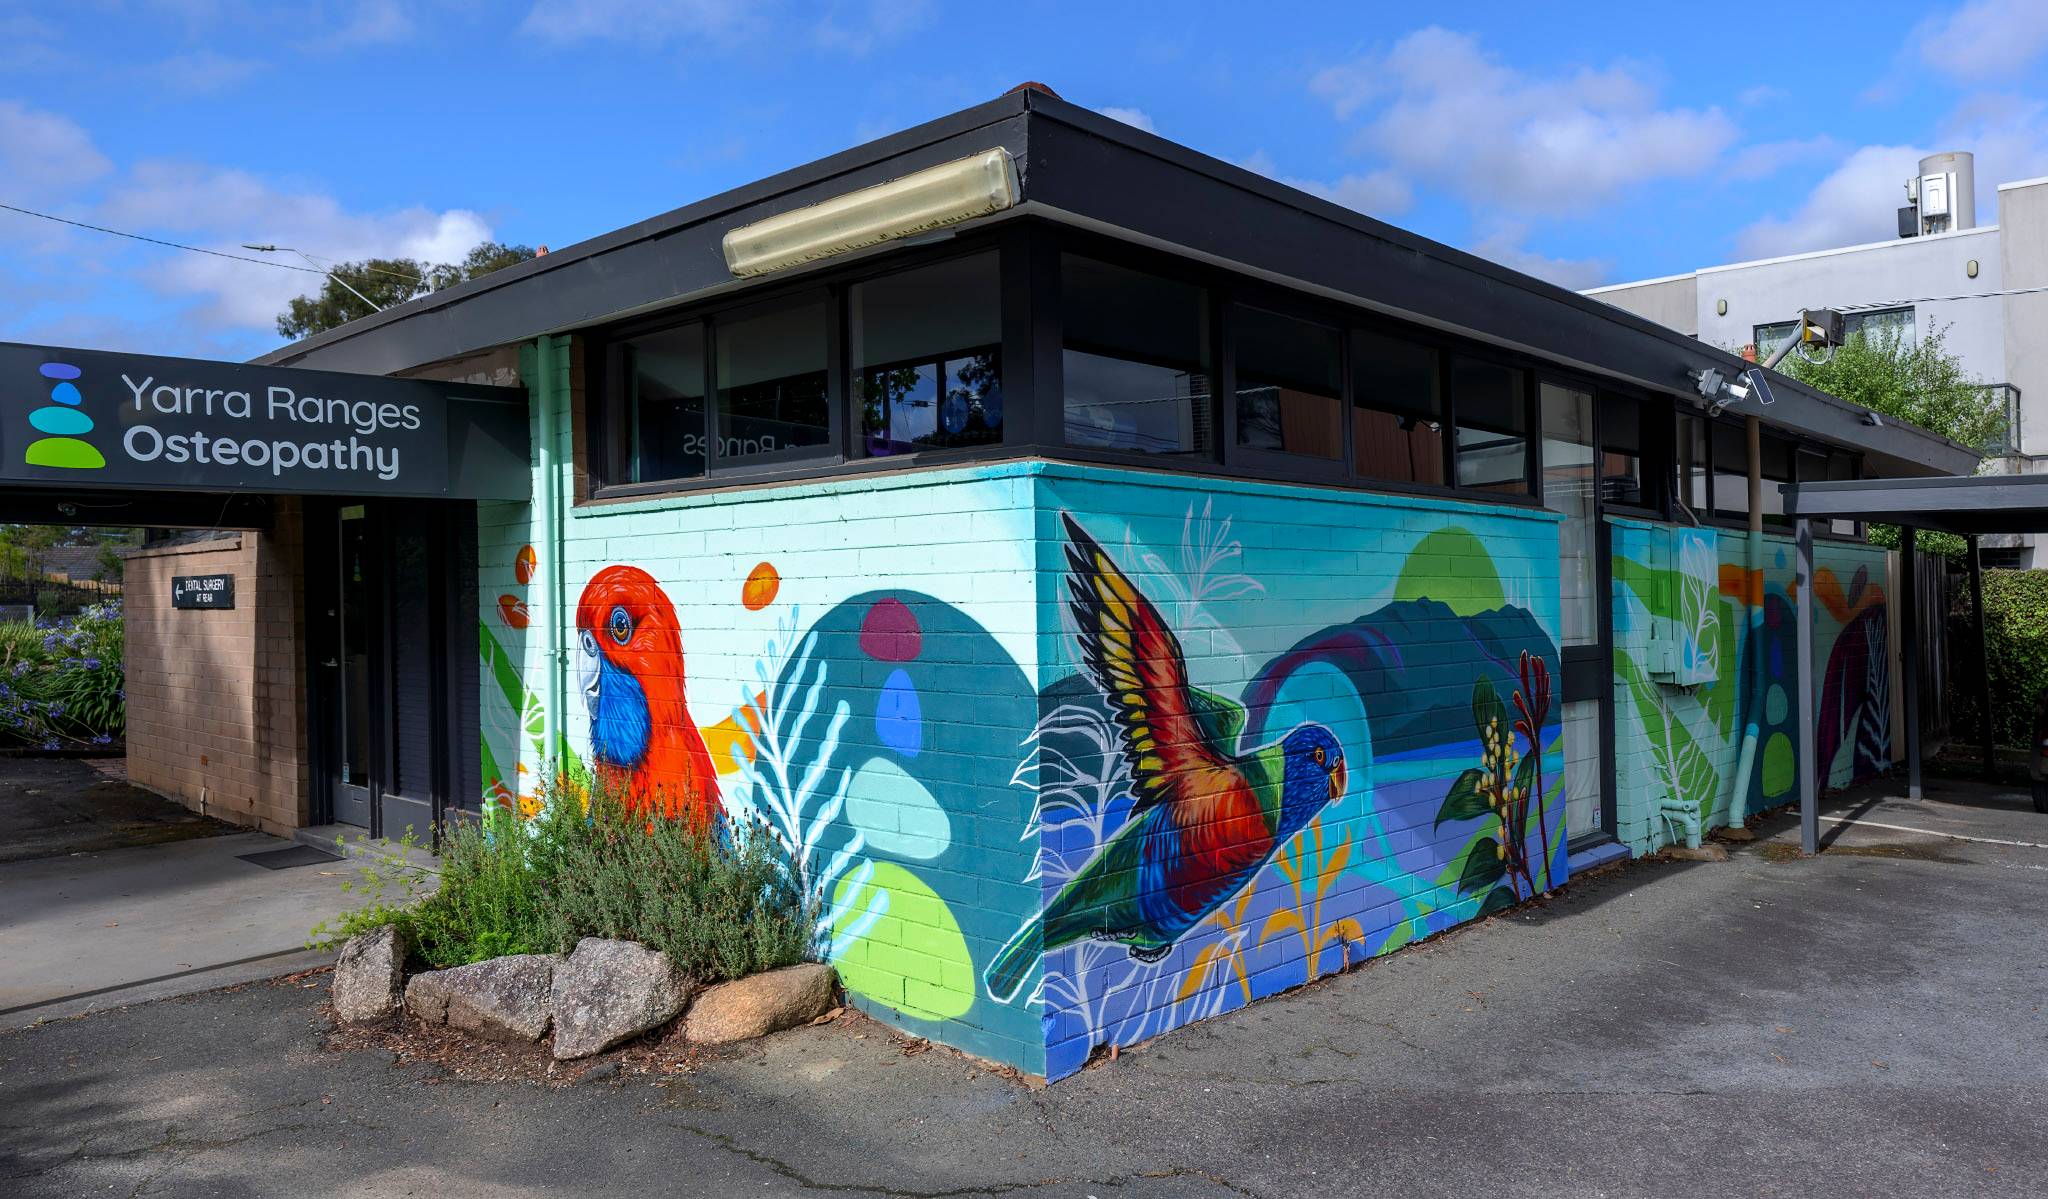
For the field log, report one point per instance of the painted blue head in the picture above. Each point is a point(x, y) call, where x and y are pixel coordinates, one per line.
point(1315, 777)
point(620, 722)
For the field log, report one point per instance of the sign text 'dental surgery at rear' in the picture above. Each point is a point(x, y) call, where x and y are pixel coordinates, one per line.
point(92, 419)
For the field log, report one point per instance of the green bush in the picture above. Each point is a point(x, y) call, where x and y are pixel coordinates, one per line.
point(587, 866)
point(62, 685)
point(2015, 654)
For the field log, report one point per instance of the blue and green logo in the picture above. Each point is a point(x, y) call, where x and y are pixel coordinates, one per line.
point(63, 421)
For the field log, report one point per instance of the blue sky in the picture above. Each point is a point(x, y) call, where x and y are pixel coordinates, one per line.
point(1590, 147)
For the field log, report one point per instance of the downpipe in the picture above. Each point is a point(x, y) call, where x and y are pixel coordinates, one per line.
point(1752, 577)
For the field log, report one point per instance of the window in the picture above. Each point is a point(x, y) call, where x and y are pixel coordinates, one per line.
point(1568, 482)
point(1491, 406)
point(1397, 413)
point(659, 430)
point(1692, 464)
point(1777, 469)
point(1623, 478)
point(926, 357)
point(1290, 384)
point(1135, 360)
point(1731, 471)
point(1878, 326)
point(772, 380)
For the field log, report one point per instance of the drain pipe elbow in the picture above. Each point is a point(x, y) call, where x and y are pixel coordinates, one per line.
point(1686, 816)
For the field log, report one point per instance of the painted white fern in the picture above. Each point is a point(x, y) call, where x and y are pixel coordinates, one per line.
point(792, 792)
point(1085, 786)
point(1205, 574)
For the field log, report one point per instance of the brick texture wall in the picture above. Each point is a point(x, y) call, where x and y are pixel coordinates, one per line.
point(216, 711)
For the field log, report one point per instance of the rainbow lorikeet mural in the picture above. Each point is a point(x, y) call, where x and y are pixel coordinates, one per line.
point(630, 663)
point(1206, 818)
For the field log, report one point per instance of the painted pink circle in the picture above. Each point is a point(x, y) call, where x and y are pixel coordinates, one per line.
point(889, 632)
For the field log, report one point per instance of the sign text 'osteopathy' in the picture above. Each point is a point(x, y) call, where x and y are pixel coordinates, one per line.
point(333, 429)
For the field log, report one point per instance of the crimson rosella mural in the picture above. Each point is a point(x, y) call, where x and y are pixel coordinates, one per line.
point(1067, 757)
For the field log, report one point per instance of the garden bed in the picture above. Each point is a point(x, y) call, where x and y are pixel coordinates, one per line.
point(62, 688)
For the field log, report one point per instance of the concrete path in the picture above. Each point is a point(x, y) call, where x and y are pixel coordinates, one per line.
point(52, 806)
point(90, 930)
point(1869, 1022)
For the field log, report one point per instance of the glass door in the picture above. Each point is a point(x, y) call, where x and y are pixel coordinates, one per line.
point(355, 668)
point(1571, 485)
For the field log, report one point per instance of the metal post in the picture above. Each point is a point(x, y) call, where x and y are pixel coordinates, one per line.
point(1809, 765)
point(1983, 660)
point(1909, 626)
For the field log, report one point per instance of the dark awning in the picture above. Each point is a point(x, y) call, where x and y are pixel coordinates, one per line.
point(1976, 504)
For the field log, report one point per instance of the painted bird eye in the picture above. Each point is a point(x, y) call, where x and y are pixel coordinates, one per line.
point(1318, 754)
point(620, 626)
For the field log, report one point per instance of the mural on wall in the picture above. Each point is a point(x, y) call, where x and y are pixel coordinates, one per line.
point(1681, 739)
point(1240, 765)
point(1204, 817)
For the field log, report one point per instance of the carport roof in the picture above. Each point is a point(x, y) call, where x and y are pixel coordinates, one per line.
point(1977, 504)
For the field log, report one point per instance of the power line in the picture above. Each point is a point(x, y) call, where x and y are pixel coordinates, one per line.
point(1977, 295)
point(157, 241)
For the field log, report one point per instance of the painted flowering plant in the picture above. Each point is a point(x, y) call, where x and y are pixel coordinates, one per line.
point(61, 683)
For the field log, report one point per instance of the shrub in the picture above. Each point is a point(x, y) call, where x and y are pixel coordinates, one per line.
point(62, 684)
point(2015, 655)
point(587, 865)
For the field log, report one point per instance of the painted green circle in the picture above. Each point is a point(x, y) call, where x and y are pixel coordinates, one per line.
point(913, 958)
point(1779, 765)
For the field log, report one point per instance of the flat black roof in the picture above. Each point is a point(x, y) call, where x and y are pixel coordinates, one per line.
point(1984, 504)
point(1081, 168)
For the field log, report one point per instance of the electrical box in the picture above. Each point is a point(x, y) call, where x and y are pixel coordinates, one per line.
point(1934, 194)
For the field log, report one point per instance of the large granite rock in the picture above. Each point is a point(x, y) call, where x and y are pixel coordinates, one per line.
point(762, 1003)
point(369, 975)
point(612, 991)
point(504, 999)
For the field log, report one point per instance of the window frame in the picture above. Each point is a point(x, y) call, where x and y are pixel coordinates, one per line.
point(1031, 322)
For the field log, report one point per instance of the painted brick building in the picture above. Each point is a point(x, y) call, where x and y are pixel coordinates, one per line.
point(1125, 586)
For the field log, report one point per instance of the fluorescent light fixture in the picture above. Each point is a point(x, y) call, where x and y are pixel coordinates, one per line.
point(917, 203)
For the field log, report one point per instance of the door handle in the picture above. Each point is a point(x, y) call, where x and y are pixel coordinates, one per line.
point(330, 662)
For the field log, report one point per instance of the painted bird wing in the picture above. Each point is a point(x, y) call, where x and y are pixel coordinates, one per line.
point(1137, 662)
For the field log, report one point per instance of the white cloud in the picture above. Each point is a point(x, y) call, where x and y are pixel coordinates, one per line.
point(1764, 159)
point(849, 26)
point(1437, 107)
point(1135, 117)
point(1375, 193)
point(222, 208)
point(370, 23)
point(1505, 246)
point(1858, 201)
point(203, 72)
point(211, 302)
point(1984, 39)
point(45, 155)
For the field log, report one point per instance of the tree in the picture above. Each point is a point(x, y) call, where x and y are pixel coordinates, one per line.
point(388, 281)
point(1919, 382)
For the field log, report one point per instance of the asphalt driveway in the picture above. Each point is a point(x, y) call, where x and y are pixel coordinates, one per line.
point(1869, 1022)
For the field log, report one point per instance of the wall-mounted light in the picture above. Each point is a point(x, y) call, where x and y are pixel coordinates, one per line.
point(1970, 268)
point(1720, 308)
point(930, 199)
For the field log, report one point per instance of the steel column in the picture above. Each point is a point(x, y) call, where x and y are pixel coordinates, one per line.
point(1909, 652)
point(1983, 660)
point(1809, 765)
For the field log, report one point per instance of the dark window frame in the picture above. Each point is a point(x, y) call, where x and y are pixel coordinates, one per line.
point(1031, 371)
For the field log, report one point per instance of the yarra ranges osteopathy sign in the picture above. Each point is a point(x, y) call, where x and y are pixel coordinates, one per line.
point(94, 419)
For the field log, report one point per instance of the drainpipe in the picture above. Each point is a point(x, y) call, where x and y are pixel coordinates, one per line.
point(1753, 699)
point(548, 394)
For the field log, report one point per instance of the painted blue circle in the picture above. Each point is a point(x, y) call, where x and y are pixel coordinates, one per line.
point(62, 422)
point(953, 412)
point(899, 716)
point(60, 370)
point(66, 393)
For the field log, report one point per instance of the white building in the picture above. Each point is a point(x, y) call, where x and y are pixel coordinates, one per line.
point(1969, 281)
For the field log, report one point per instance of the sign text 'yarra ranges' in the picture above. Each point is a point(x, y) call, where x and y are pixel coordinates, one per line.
point(90, 419)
